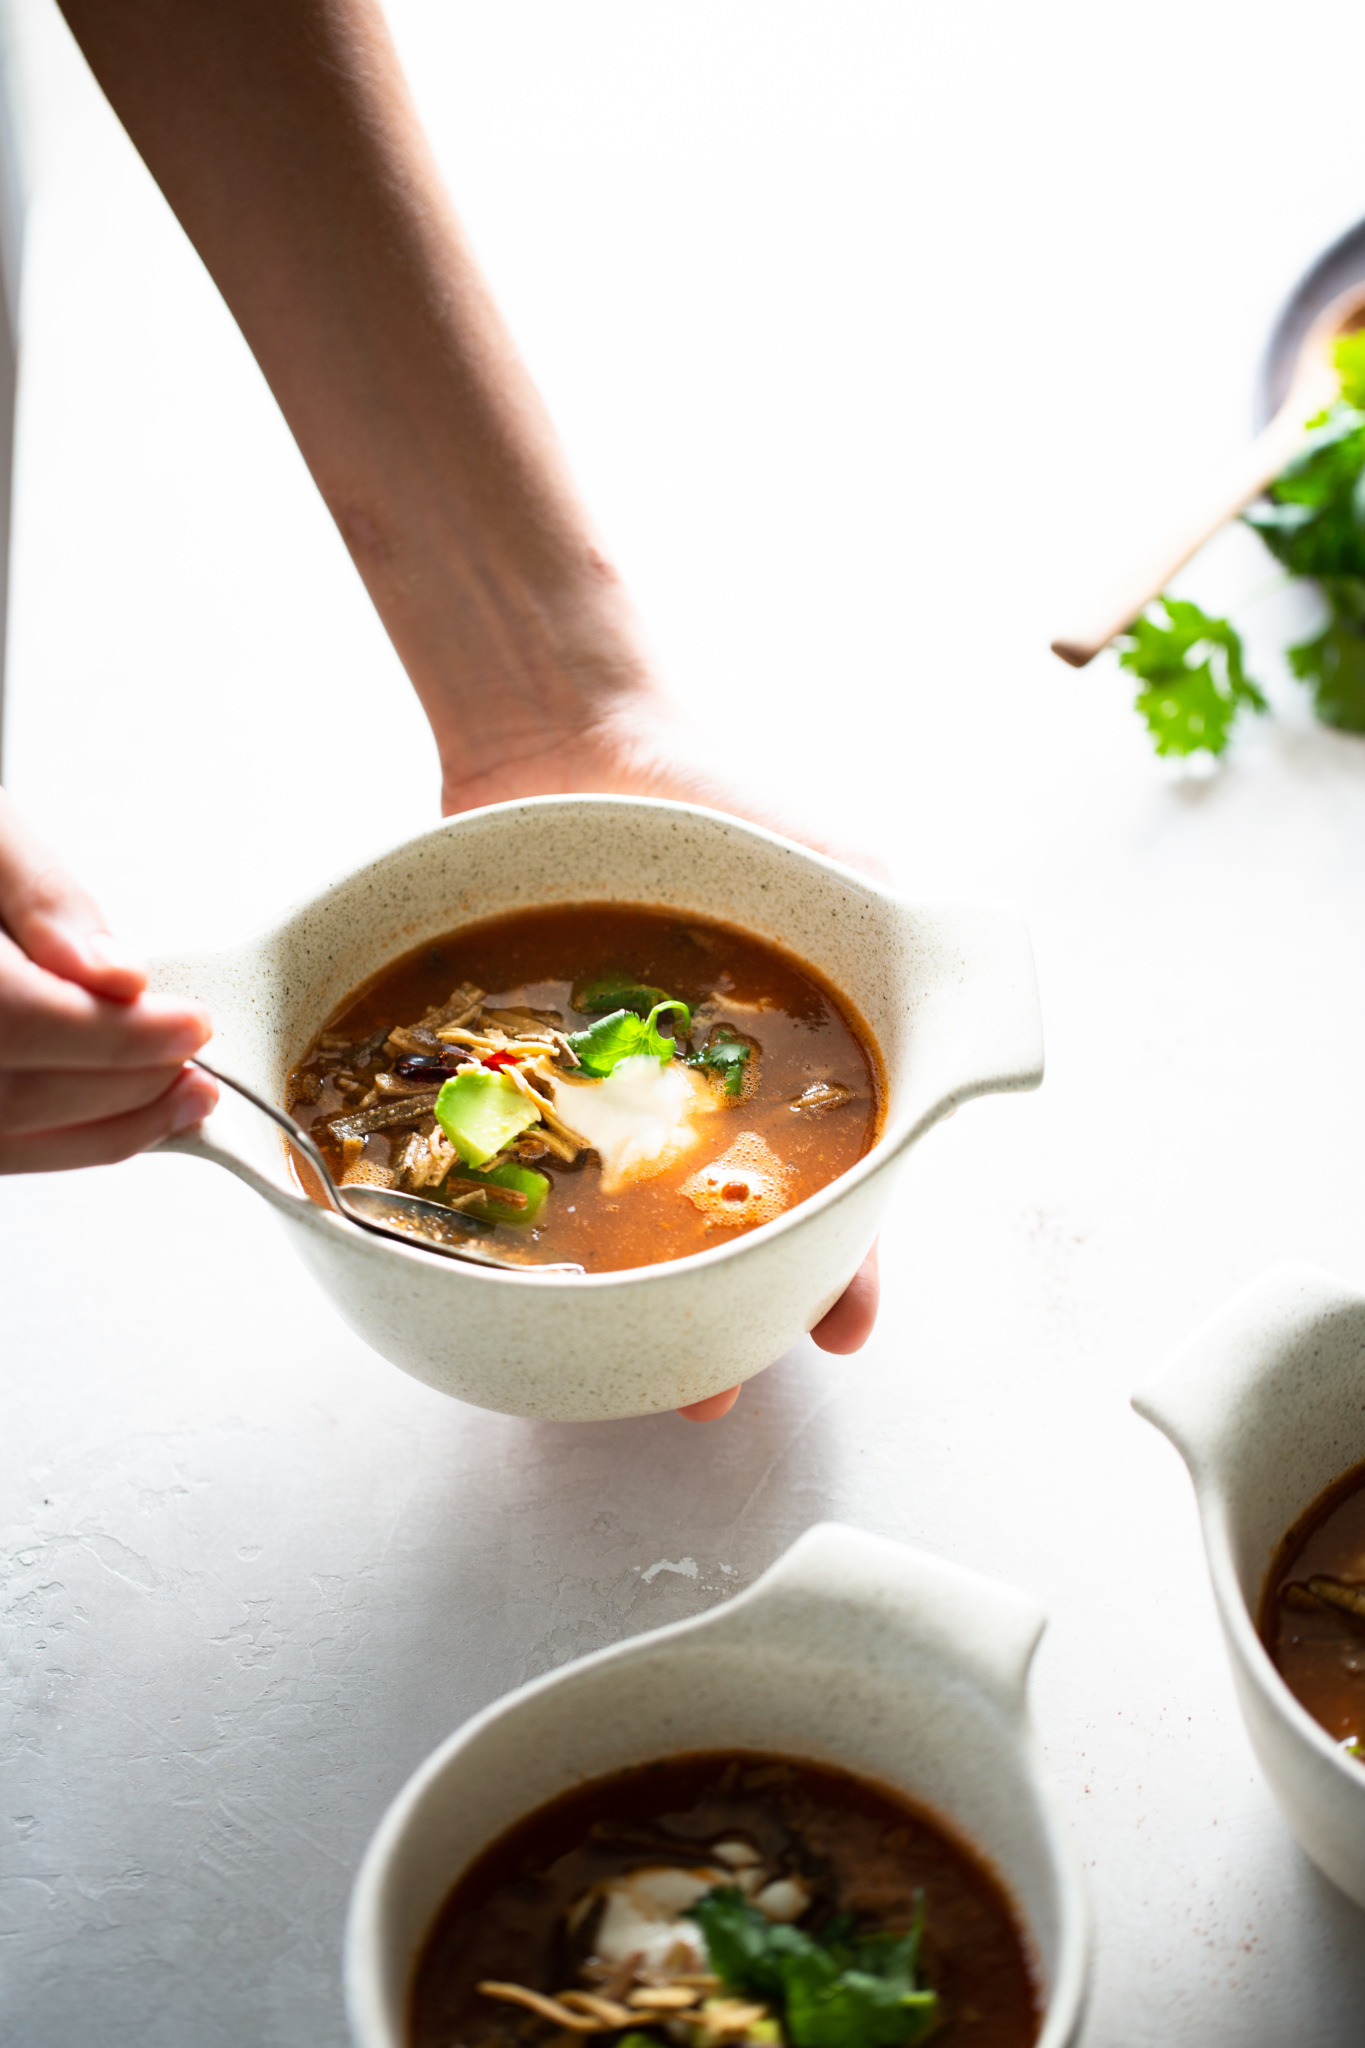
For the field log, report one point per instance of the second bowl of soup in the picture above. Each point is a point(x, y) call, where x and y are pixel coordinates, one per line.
point(813, 1817)
point(637, 1037)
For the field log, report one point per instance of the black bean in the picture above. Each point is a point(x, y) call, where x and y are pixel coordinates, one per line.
point(421, 1066)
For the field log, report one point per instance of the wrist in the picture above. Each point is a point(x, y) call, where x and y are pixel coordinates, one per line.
point(557, 704)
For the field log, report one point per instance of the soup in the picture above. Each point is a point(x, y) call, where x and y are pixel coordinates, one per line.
point(1313, 1612)
point(604, 1086)
point(725, 1898)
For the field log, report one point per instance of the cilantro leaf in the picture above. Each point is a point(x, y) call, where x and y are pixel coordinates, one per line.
point(1313, 516)
point(1333, 663)
point(845, 1992)
point(622, 1035)
point(607, 992)
point(1195, 682)
point(725, 1054)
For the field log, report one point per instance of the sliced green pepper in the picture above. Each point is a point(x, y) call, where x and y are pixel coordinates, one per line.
point(604, 992)
point(522, 1180)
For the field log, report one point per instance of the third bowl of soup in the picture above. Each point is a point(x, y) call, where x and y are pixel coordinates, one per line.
point(1266, 1404)
point(664, 1054)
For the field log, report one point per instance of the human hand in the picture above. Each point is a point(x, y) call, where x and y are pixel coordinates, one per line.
point(643, 748)
point(92, 1069)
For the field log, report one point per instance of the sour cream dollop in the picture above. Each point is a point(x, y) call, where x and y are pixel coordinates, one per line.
point(640, 1916)
point(639, 1119)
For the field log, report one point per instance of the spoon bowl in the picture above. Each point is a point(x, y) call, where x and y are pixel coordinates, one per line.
point(389, 1212)
point(1340, 267)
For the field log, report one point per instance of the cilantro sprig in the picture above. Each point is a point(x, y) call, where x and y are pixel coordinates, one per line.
point(1312, 519)
point(725, 1055)
point(1192, 673)
point(843, 1990)
point(622, 1035)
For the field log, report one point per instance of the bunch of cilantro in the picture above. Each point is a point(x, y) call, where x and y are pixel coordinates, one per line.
point(1194, 685)
point(840, 1990)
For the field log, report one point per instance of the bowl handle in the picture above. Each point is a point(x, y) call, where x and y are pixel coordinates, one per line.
point(1204, 1388)
point(978, 1029)
point(200, 1143)
point(871, 1602)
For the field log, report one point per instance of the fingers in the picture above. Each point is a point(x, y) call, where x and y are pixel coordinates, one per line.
point(91, 1066)
point(846, 1327)
point(186, 1101)
point(48, 1022)
point(57, 1101)
point(712, 1408)
point(53, 920)
point(848, 1324)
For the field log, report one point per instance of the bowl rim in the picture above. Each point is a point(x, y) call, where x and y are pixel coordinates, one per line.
point(894, 1139)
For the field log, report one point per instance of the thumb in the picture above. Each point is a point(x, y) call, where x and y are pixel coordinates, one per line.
point(50, 916)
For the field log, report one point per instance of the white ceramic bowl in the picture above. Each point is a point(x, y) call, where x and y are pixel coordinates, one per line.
point(852, 1651)
point(948, 990)
point(1266, 1405)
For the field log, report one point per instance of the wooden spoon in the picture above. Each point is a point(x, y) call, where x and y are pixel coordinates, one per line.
point(1313, 386)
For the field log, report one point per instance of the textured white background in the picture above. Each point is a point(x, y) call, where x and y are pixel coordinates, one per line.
point(868, 327)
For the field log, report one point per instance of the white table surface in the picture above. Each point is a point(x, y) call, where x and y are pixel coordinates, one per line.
point(867, 327)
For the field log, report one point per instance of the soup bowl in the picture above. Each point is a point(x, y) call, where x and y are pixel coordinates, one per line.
point(852, 1651)
point(947, 991)
point(1266, 1405)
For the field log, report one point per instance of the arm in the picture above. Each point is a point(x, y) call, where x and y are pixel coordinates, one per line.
point(283, 135)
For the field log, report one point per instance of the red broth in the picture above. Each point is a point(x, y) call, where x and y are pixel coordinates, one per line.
point(810, 1104)
point(857, 1847)
point(1313, 1610)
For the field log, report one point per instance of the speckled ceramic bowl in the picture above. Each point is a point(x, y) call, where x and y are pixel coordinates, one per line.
point(850, 1651)
point(947, 989)
point(1266, 1405)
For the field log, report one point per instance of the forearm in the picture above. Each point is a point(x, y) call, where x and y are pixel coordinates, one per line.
point(282, 133)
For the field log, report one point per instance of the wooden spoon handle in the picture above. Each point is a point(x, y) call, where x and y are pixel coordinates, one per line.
point(1244, 479)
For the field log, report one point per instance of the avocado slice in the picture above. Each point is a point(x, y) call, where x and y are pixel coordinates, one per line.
point(481, 1111)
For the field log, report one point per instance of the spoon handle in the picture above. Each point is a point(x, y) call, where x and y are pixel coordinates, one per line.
point(293, 1131)
point(413, 1205)
point(1243, 479)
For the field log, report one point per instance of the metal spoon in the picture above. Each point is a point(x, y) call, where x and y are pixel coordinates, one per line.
point(1313, 386)
point(388, 1212)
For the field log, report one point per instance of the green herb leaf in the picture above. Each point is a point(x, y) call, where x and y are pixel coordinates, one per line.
point(606, 992)
point(621, 1036)
point(1313, 516)
point(1191, 665)
point(1333, 663)
point(481, 1112)
point(725, 1055)
point(853, 1992)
